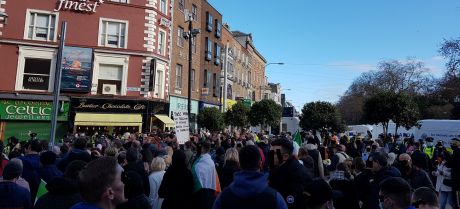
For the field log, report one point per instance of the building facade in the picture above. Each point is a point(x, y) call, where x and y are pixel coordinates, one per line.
point(115, 63)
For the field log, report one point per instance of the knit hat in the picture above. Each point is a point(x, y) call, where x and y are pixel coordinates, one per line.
point(12, 170)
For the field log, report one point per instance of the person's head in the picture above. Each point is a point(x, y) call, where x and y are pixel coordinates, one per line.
point(110, 152)
point(73, 169)
point(33, 146)
point(303, 152)
point(205, 146)
point(425, 198)
point(455, 143)
point(280, 151)
point(318, 195)
point(358, 164)
point(379, 160)
point(250, 158)
point(391, 158)
point(100, 182)
point(231, 155)
point(395, 193)
point(47, 158)
point(80, 143)
point(133, 184)
point(405, 161)
point(12, 170)
point(132, 155)
point(158, 164)
point(178, 158)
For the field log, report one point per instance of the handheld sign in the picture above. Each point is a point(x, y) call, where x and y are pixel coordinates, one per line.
point(182, 127)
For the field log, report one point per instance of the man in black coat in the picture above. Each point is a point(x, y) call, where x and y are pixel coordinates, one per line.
point(454, 164)
point(287, 175)
point(135, 164)
point(78, 152)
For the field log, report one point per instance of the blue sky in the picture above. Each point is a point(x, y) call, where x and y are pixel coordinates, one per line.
point(326, 44)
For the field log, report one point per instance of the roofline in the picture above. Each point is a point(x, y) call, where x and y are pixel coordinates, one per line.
point(207, 2)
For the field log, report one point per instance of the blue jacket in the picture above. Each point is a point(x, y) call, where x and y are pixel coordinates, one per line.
point(47, 172)
point(83, 205)
point(31, 165)
point(14, 196)
point(249, 184)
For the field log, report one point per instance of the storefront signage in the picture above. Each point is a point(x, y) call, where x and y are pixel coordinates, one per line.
point(182, 127)
point(30, 110)
point(77, 65)
point(78, 5)
point(113, 106)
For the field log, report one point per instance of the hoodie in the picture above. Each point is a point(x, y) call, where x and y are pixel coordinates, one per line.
point(251, 186)
point(31, 166)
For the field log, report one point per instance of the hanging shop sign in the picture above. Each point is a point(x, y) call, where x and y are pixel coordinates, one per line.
point(78, 5)
point(31, 110)
point(77, 65)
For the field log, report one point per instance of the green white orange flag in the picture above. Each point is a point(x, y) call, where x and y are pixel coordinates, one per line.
point(41, 189)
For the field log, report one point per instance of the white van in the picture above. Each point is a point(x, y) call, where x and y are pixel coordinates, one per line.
point(443, 130)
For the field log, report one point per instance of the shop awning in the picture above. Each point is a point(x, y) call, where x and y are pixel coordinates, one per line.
point(166, 120)
point(91, 119)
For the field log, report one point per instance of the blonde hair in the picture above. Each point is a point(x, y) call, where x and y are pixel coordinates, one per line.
point(111, 151)
point(232, 154)
point(158, 164)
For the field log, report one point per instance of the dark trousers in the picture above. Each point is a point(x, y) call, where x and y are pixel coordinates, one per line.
point(204, 199)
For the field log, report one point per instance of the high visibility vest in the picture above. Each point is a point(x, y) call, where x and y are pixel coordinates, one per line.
point(429, 151)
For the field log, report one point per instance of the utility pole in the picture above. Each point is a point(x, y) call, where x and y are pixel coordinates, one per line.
point(190, 35)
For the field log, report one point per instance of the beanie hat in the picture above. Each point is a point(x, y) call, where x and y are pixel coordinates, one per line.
point(12, 170)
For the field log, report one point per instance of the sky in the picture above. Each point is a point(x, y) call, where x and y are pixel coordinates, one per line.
point(326, 44)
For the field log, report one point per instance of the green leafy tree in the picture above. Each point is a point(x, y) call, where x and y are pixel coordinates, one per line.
point(321, 115)
point(238, 115)
point(265, 112)
point(211, 118)
point(406, 112)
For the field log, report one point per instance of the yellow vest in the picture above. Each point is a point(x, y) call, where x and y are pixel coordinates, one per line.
point(429, 151)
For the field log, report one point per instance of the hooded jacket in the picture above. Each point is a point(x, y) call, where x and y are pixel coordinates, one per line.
point(31, 166)
point(379, 177)
point(62, 194)
point(249, 190)
point(75, 154)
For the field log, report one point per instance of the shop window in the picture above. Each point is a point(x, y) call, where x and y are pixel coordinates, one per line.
point(181, 5)
point(209, 21)
point(110, 74)
point(180, 38)
point(178, 76)
point(194, 12)
point(35, 69)
point(109, 79)
point(161, 42)
point(208, 49)
point(163, 6)
point(41, 25)
point(113, 33)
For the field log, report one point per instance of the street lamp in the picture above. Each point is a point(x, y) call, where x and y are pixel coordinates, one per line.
point(270, 63)
point(190, 35)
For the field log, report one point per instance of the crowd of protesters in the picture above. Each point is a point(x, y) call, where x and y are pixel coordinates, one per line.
point(221, 170)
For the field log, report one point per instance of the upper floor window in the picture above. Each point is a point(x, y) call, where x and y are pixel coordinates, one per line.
point(194, 12)
point(209, 21)
point(180, 38)
point(217, 54)
point(113, 33)
point(192, 81)
point(194, 45)
point(41, 25)
point(181, 5)
point(218, 29)
point(208, 49)
point(178, 76)
point(161, 42)
point(163, 6)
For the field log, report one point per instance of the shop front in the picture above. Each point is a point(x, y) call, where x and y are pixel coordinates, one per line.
point(178, 104)
point(207, 105)
point(114, 116)
point(20, 118)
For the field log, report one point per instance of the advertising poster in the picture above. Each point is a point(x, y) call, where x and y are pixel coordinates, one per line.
point(77, 69)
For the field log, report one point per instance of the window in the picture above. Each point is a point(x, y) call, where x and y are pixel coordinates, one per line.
point(218, 29)
point(181, 5)
point(192, 81)
point(208, 49)
point(161, 42)
point(35, 69)
point(214, 85)
point(217, 54)
point(109, 76)
point(194, 12)
point(178, 76)
point(113, 33)
point(41, 25)
point(159, 83)
point(205, 78)
point(120, 1)
point(180, 38)
point(163, 6)
point(209, 21)
point(194, 45)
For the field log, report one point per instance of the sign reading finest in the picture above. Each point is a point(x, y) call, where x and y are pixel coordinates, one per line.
point(79, 5)
point(30, 110)
point(182, 127)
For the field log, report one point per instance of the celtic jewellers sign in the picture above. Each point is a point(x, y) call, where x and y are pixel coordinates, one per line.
point(78, 5)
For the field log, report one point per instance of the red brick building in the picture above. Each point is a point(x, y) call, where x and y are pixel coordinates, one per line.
point(125, 46)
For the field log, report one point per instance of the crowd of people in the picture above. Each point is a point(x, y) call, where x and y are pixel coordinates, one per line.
point(221, 170)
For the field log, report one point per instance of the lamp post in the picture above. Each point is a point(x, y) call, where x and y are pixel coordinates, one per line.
point(190, 35)
point(270, 63)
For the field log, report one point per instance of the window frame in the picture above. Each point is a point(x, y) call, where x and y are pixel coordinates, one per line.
point(110, 59)
point(163, 52)
point(160, 68)
point(193, 72)
point(209, 21)
point(194, 12)
point(218, 33)
point(178, 82)
point(205, 79)
point(35, 53)
point(209, 45)
point(101, 24)
point(181, 5)
point(217, 54)
point(119, 1)
point(166, 6)
point(180, 38)
point(45, 12)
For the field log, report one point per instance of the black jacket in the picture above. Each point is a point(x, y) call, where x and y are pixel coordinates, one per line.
point(138, 167)
point(374, 183)
point(419, 178)
point(75, 154)
point(226, 173)
point(176, 188)
point(289, 180)
point(454, 164)
point(62, 193)
point(138, 202)
point(348, 197)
